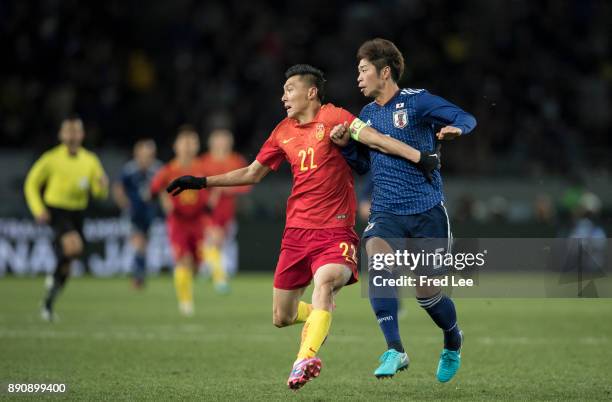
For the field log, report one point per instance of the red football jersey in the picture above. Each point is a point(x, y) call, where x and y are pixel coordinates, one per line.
point(189, 204)
point(323, 194)
point(225, 209)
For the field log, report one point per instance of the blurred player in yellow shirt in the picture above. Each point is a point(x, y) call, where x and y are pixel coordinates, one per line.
point(69, 174)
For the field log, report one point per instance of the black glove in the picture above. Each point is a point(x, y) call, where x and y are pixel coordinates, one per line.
point(429, 162)
point(187, 183)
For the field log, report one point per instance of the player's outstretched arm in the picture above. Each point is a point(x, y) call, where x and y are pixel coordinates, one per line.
point(427, 162)
point(388, 145)
point(373, 139)
point(251, 174)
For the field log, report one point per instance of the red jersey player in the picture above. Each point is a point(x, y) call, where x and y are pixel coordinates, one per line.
point(319, 241)
point(220, 249)
point(185, 214)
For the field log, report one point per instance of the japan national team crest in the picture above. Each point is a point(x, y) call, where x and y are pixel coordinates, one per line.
point(400, 118)
point(320, 131)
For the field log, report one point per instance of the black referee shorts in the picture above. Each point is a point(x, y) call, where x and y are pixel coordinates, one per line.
point(64, 220)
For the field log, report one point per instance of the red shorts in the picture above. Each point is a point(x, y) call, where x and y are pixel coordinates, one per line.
point(186, 238)
point(303, 251)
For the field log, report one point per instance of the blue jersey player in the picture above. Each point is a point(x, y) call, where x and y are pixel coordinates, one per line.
point(133, 196)
point(406, 203)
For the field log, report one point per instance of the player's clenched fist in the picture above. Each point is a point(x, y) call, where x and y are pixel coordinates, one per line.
point(186, 183)
point(340, 134)
point(448, 133)
point(429, 162)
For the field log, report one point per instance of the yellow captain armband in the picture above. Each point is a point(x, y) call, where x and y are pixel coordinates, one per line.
point(355, 128)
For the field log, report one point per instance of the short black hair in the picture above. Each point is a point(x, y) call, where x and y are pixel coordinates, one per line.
point(71, 117)
point(145, 142)
point(382, 53)
point(312, 74)
point(187, 129)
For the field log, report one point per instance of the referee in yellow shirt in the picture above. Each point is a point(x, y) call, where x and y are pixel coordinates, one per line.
point(69, 173)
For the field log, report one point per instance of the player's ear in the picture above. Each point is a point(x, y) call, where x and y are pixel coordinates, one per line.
point(386, 72)
point(313, 92)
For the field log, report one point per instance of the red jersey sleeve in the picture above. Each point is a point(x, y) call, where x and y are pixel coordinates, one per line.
point(271, 153)
point(339, 115)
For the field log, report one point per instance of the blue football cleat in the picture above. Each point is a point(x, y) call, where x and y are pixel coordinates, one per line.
point(450, 361)
point(391, 362)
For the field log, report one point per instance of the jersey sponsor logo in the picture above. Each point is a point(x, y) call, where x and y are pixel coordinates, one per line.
point(399, 105)
point(370, 226)
point(320, 131)
point(400, 118)
point(342, 216)
point(287, 140)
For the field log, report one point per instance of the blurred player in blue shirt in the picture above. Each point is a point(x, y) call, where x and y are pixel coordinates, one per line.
point(406, 203)
point(133, 196)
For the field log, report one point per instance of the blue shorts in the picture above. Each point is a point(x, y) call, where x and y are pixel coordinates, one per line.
point(141, 222)
point(433, 223)
point(426, 232)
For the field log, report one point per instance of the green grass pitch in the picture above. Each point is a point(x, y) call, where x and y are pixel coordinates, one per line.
point(113, 343)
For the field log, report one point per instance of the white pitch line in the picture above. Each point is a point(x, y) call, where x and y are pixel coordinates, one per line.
point(192, 335)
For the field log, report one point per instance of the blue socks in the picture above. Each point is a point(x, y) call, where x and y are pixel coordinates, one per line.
point(139, 267)
point(385, 304)
point(386, 314)
point(441, 309)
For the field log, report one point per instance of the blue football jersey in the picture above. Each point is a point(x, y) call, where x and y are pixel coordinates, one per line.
point(411, 116)
point(136, 184)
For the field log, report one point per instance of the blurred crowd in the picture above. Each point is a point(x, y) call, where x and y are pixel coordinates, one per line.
point(536, 74)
